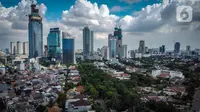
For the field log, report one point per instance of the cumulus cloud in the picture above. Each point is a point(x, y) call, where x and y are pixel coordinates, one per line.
point(160, 23)
point(14, 22)
point(84, 13)
point(147, 19)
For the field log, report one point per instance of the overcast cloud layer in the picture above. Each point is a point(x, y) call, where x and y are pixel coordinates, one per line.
point(156, 24)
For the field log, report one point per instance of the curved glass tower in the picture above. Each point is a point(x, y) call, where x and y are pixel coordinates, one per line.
point(35, 29)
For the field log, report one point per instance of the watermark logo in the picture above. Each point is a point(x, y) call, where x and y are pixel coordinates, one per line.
point(184, 13)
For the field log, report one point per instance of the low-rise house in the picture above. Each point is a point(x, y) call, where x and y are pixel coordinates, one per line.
point(156, 98)
point(167, 74)
point(174, 90)
point(131, 69)
point(123, 76)
point(78, 103)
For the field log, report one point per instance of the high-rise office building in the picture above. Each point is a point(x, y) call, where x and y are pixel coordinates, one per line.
point(68, 50)
point(19, 48)
point(132, 53)
point(35, 29)
point(146, 49)
point(46, 51)
point(123, 51)
point(87, 42)
point(177, 48)
point(109, 37)
point(163, 49)
point(188, 50)
point(141, 47)
point(6, 50)
point(105, 52)
point(160, 49)
point(54, 43)
point(118, 36)
point(112, 47)
point(25, 48)
point(13, 48)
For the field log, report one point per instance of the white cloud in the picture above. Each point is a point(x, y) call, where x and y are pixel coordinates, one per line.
point(14, 22)
point(84, 13)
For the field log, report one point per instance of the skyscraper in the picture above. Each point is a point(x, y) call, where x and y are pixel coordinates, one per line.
point(105, 52)
point(45, 51)
point(54, 43)
point(188, 50)
point(35, 29)
point(112, 47)
point(118, 36)
point(132, 53)
point(13, 48)
point(109, 37)
point(163, 49)
point(87, 42)
point(123, 51)
point(25, 48)
point(68, 49)
point(141, 47)
point(177, 48)
point(19, 48)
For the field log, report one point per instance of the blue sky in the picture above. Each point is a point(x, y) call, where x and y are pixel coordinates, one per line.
point(55, 7)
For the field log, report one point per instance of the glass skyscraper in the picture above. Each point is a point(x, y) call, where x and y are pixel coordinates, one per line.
point(54, 43)
point(68, 50)
point(35, 29)
point(118, 35)
point(142, 47)
point(112, 47)
point(87, 42)
point(177, 48)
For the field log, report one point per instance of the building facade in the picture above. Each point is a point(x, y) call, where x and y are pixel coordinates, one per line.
point(123, 51)
point(177, 48)
point(188, 50)
point(112, 47)
point(25, 48)
point(35, 29)
point(87, 42)
point(13, 48)
point(19, 48)
point(68, 50)
point(141, 47)
point(132, 53)
point(118, 36)
point(54, 43)
point(105, 52)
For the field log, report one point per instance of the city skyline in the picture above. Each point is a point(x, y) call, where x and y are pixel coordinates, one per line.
point(159, 32)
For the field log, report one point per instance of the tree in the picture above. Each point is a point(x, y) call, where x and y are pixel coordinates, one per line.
point(94, 93)
point(61, 100)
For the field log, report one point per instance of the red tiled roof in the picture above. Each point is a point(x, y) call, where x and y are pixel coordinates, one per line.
point(155, 98)
point(163, 75)
point(124, 75)
point(79, 88)
point(177, 89)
